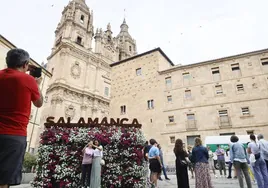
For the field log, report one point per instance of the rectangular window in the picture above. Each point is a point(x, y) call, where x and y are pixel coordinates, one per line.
point(240, 87)
point(171, 119)
point(190, 117)
point(172, 139)
point(188, 94)
point(169, 98)
point(106, 91)
point(150, 104)
point(264, 62)
point(123, 109)
point(224, 118)
point(168, 81)
point(186, 78)
point(216, 73)
point(236, 69)
point(138, 72)
point(245, 111)
point(223, 113)
point(249, 132)
point(218, 90)
point(46, 99)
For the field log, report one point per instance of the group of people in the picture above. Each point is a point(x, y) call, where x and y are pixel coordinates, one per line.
point(153, 156)
point(91, 165)
point(255, 157)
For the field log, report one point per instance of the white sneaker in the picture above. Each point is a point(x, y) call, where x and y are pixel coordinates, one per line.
point(216, 176)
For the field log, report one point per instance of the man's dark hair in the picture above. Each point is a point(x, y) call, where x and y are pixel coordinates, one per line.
point(146, 143)
point(234, 139)
point(218, 145)
point(152, 141)
point(17, 58)
point(252, 137)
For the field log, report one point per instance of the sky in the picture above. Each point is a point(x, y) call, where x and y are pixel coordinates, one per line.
point(188, 31)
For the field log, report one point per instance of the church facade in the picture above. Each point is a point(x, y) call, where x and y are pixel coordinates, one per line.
point(81, 81)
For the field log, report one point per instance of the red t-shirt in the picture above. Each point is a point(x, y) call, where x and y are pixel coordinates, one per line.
point(17, 90)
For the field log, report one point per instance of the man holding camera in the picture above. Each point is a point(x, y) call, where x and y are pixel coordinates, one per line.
point(17, 91)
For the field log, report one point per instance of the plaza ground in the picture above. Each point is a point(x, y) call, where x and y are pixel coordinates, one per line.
point(172, 183)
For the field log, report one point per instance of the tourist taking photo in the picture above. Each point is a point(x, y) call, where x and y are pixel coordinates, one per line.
point(18, 90)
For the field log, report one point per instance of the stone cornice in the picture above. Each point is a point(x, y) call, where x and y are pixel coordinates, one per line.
point(70, 48)
point(220, 60)
point(77, 91)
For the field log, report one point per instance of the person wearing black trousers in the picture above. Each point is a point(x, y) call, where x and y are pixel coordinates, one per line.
point(181, 165)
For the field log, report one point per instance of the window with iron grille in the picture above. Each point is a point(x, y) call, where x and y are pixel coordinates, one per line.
point(150, 104)
point(245, 111)
point(216, 73)
point(123, 109)
point(188, 94)
point(240, 87)
point(172, 139)
point(218, 89)
point(169, 98)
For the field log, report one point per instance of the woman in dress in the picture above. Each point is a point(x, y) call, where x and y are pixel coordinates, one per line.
point(259, 166)
point(200, 158)
point(211, 161)
point(181, 164)
point(87, 164)
point(95, 178)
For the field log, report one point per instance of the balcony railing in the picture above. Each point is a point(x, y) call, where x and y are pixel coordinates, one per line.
point(191, 125)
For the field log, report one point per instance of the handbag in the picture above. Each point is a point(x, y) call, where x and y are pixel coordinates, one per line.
point(102, 162)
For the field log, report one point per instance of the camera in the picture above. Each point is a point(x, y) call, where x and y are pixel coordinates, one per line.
point(36, 72)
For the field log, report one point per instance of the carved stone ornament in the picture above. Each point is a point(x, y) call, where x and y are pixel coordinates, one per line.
point(70, 111)
point(76, 71)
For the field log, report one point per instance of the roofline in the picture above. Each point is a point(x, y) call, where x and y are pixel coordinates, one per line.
point(227, 58)
point(142, 54)
point(13, 46)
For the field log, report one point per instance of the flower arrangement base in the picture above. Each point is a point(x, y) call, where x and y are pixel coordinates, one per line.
point(60, 155)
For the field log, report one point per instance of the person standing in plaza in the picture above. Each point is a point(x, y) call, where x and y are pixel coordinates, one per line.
point(239, 158)
point(155, 162)
point(162, 161)
point(259, 166)
point(18, 90)
point(264, 148)
point(200, 158)
point(181, 164)
point(87, 164)
point(230, 164)
point(211, 161)
point(146, 150)
point(221, 160)
point(95, 177)
point(191, 166)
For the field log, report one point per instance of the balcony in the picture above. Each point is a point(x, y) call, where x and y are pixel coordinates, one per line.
point(224, 122)
point(191, 125)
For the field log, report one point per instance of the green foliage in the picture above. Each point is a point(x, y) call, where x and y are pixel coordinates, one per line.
point(29, 161)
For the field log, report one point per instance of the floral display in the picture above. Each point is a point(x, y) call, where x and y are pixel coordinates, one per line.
point(60, 156)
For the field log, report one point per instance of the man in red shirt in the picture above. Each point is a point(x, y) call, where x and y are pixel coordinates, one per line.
point(17, 91)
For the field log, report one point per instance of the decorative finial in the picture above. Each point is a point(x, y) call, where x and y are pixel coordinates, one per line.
point(109, 27)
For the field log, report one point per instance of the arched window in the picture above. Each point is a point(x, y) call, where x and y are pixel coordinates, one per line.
point(82, 18)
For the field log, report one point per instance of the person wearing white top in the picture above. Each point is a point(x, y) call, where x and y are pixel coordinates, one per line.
point(95, 178)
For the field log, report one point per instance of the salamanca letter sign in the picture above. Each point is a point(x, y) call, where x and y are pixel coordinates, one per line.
point(89, 122)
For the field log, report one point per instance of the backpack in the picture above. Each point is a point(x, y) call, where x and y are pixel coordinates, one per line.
point(264, 147)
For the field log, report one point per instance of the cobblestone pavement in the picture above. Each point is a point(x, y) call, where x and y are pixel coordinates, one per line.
point(217, 183)
point(172, 183)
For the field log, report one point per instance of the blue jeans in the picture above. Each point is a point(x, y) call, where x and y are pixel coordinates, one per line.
point(260, 173)
point(164, 170)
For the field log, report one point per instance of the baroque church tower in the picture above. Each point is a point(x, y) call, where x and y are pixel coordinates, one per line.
point(81, 83)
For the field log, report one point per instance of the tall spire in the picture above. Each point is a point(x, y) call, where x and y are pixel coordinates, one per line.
point(124, 26)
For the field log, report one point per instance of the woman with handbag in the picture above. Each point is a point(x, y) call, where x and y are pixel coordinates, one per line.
point(95, 178)
point(87, 164)
point(200, 159)
point(258, 163)
point(181, 165)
